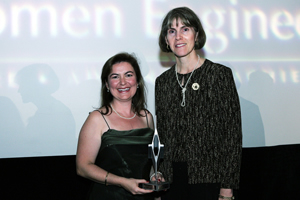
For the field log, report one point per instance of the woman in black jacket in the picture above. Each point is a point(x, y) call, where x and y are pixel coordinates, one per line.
point(198, 115)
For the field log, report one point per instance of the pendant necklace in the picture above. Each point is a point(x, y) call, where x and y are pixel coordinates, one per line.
point(122, 116)
point(184, 88)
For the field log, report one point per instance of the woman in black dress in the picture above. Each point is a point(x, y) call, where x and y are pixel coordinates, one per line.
point(113, 142)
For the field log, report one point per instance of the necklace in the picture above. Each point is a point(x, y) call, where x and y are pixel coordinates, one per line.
point(122, 116)
point(184, 88)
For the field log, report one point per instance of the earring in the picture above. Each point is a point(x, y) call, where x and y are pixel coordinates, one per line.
point(137, 86)
point(168, 47)
point(107, 89)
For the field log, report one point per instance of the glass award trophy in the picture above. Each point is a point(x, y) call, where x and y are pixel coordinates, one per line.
point(155, 153)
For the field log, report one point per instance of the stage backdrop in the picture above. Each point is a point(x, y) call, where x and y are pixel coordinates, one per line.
point(52, 53)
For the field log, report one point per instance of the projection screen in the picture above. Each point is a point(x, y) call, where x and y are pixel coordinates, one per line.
point(52, 53)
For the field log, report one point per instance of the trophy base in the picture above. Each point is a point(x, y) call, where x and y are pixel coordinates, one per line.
point(155, 186)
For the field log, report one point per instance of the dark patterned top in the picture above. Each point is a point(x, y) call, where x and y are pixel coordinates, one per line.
point(207, 132)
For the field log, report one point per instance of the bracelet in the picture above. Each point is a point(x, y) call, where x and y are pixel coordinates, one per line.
point(154, 175)
point(229, 198)
point(105, 181)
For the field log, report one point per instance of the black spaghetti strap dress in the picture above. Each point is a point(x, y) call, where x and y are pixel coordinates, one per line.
point(123, 153)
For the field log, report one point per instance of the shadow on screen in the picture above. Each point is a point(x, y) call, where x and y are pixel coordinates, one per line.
point(51, 130)
point(252, 124)
point(12, 128)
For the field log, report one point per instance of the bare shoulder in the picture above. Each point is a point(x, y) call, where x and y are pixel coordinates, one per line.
point(149, 114)
point(149, 117)
point(145, 113)
point(96, 121)
point(95, 116)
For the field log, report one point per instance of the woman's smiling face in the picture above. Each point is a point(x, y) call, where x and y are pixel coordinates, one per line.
point(122, 81)
point(181, 38)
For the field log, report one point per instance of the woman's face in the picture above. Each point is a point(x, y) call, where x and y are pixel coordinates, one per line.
point(181, 38)
point(122, 81)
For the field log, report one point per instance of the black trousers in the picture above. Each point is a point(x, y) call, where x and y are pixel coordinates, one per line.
point(181, 190)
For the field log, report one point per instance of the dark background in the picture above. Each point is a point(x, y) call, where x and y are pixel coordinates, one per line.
point(266, 173)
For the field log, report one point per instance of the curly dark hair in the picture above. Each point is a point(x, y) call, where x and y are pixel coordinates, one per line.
point(189, 18)
point(138, 100)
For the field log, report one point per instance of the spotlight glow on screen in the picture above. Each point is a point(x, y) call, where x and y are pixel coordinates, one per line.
point(52, 53)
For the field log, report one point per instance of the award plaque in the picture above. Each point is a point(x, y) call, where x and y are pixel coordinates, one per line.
point(155, 153)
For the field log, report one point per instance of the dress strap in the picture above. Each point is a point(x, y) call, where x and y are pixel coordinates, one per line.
point(104, 118)
point(146, 118)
